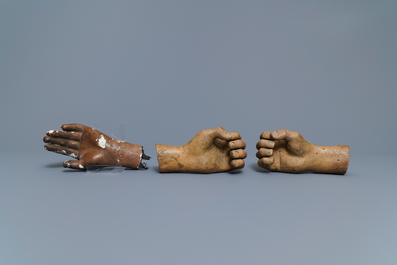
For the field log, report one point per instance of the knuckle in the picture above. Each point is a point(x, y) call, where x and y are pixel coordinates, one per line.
point(262, 152)
point(234, 163)
point(258, 155)
point(295, 134)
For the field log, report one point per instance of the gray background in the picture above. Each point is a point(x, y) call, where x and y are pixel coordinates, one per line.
point(168, 69)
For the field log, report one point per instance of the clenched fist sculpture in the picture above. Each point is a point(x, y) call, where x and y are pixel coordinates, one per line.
point(210, 151)
point(288, 151)
point(92, 147)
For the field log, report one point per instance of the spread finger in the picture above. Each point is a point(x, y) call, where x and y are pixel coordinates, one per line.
point(62, 142)
point(66, 135)
point(73, 127)
point(61, 150)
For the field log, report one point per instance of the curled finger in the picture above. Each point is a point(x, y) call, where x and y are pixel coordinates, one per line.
point(263, 162)
point(237, 163)
point(264, 152)
point(265, 144)
point(238, 154)
point(265, 135)
point(237, 144)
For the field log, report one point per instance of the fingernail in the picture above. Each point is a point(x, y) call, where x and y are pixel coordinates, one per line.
point(274, 134)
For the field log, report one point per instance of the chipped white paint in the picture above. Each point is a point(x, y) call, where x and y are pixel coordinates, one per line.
point(118, 161)
point(118, 148)
point(101, 142)
point(50, 132)
point(80, 166)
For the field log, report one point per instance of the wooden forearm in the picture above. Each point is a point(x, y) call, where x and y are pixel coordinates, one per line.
point(169, 158)
point(330, 159)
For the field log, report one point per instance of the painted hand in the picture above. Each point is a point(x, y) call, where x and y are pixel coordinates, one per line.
point(91, 147)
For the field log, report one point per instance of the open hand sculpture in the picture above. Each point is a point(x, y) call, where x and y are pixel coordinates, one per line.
point(91, 147)
point(210, 151)
point(288, 151)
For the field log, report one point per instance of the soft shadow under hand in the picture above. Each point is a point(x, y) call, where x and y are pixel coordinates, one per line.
point(235, 171)
point(54, 165)
point(69, 170)
point(257, 168)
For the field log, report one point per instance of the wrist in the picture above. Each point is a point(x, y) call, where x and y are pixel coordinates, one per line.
point(128, 155)
point(170, 158)
point(330, 159)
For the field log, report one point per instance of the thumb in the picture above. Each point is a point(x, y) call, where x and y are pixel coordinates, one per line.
point(73, 164)
point(221, 133)
point(283, 135)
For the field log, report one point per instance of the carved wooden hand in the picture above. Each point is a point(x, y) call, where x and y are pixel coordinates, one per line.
point(210, 151)
point(288, 151)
